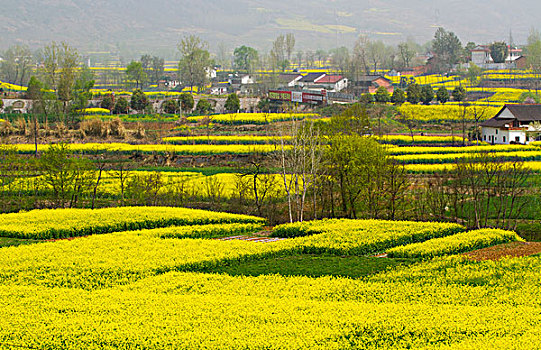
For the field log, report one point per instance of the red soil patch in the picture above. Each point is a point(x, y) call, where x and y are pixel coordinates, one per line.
point(514, 250)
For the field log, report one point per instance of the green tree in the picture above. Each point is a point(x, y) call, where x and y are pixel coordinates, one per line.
point(382, 95)
point(136, 74)
point(442, 95)
point(195, 62)
point(352, 121)
point(533, 54)
point(533, 49)
point(108, 102)
point(232, 104)
point(34, 91)
point(246, 58)
point(398, 97)
point(427, 94)
point(367, 98)
point(357, 167)
point(60, 70)
point(264, 105)
point(413, 92)
point(68, 176)
point(406, 53)
point(529, 97)
point(1, 104)
point(170, 106)
point(499, 52)
point(186, 102)
point(36, 95)
point(473, 74)
point(459, 94)
point(204, 106)
point(447, 48)
point(470, 46)
point(139, 100)
point(82, 91)
point(121, 106)
point(16, 65)
point(153, 66)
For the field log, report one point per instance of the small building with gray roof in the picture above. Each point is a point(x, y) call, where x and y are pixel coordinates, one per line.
point(514, 124)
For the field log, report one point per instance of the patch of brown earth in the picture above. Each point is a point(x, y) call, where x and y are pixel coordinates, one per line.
point(514, 249)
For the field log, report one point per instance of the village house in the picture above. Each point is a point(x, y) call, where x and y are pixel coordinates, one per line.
point(320, 81)
point(238, 80)
point(220, 89)
point(309, 79)
point(289, 80)
point(512, 125)
point(370, 83)
point(332, 83)
point(481, 56)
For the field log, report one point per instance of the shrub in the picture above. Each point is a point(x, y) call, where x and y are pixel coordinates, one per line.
point(203, 106)
point(121, 106)
point(382, 95)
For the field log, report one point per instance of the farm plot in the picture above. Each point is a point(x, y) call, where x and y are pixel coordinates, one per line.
point(459, 243)
point(142, 288)
point(361, 237)
point(61, 223)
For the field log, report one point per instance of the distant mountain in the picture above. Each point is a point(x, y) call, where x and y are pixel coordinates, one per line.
point(145, 25)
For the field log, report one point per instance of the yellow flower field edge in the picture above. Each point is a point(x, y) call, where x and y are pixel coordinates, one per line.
point(93, 111)
point(459, 243)
point(124, 257)
point(459, 149)
point(437, 113)
point(451, 157)
point(251, 118)
point(417, 139)
point(203, 231)
point(360, 237)
point(222, 140)
point(124, 148)
point(63, 223)
point(253, 140)
point(534, 166)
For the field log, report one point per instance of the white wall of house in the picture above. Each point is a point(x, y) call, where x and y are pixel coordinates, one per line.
point(518, 136)
point(498, 136)
point(246, 79)
point(493, 136)
point(341, 85)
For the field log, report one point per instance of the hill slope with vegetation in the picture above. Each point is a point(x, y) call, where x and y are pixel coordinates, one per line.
point(139, 24)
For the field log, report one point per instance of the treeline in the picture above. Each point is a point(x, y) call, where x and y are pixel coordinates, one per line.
point(319, 170)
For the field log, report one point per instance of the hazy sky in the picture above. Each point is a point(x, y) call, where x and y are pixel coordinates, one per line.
point(142, 25)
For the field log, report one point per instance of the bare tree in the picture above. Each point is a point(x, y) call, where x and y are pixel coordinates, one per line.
point(375, 52)
point(360, 56)
point(301, 153)
point(290, 45)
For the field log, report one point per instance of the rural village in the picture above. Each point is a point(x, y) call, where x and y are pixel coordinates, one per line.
point(278, 193)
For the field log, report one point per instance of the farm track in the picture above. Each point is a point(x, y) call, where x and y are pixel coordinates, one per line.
point(514, 249)
point(260, 239)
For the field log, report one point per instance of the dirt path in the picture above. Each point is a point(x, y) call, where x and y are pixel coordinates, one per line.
point(515, 249)
point(258, 239)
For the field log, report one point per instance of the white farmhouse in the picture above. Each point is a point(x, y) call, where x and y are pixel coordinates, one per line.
point(511, 125)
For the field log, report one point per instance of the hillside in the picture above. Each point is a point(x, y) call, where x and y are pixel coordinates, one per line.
point(145, 25)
